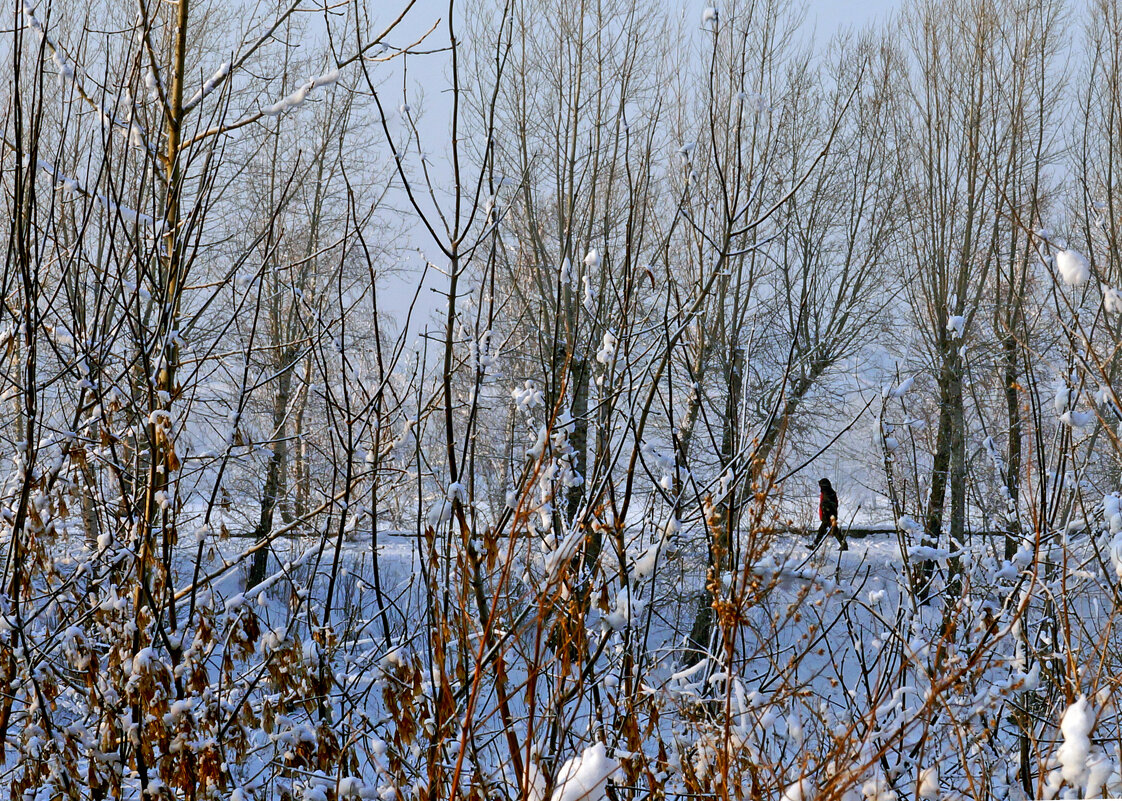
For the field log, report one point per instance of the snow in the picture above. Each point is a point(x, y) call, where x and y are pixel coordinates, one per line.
point(528, 396)
point(207, 87)
point(1112, 300)
point(902, 388)
point(1116, 548)
point(535, 782)
point(607, 348)
point(297, 98)
point(878, 788)
point(143, 661)
point(440, 513)
point(1072, 267)
point(928, 783)
point(1075, 726)
point(927, 553)
point(907, 525)
point(1099, 770)
point(585, 777)
point(351, 786)
point(802, 790)
point(71, 186)
point(557, 560)
point(1077, 419)
point(1062, 400)
point(624, 611)
point(589, 301)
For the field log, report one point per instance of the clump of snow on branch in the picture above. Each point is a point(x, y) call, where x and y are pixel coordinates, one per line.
point(297, 98)
point(1072, 267)
point(1112, 300)
point(1074, 754)
point(207, 87)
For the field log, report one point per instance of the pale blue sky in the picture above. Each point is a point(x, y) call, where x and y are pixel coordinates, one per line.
point(831, 14)
point(427, 80)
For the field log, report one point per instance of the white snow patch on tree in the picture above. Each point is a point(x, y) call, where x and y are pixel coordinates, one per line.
point(1075, 726)
point(1073, 267)
point(902, 389)
point(1076, 419)
point(1112, 300)
point(297, 98)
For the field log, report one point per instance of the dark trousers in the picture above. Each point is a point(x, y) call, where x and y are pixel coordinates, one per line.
point(830, 527)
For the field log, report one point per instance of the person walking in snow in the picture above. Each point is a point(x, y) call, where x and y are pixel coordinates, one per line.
point(828, 514)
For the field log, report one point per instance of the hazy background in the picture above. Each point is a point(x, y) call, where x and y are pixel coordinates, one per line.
point(422, 83)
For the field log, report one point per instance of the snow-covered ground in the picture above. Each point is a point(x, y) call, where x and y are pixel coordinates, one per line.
point(842, 678)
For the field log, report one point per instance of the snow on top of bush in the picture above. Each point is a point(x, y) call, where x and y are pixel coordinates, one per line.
point(440, 513)
point(607, 348)
point(928, 783)
point(908, 524)
point(585, 777)
point(1062, 401)
point(1075, 726)
point(802, 790)
point(1116, 548)
point(528, 396)
point(928, 553)
point(1076, 419)
point(1073, 267)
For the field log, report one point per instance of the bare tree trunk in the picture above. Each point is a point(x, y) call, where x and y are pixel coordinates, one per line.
point(730, 440)
point(957, 477)
point(940, 474)
point(274, 469)
point(723, 520)
point(1013, 452)
point(302, 467)
point(580, 371)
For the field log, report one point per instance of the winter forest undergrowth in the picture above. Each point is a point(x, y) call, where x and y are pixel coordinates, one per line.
point(426, 402)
